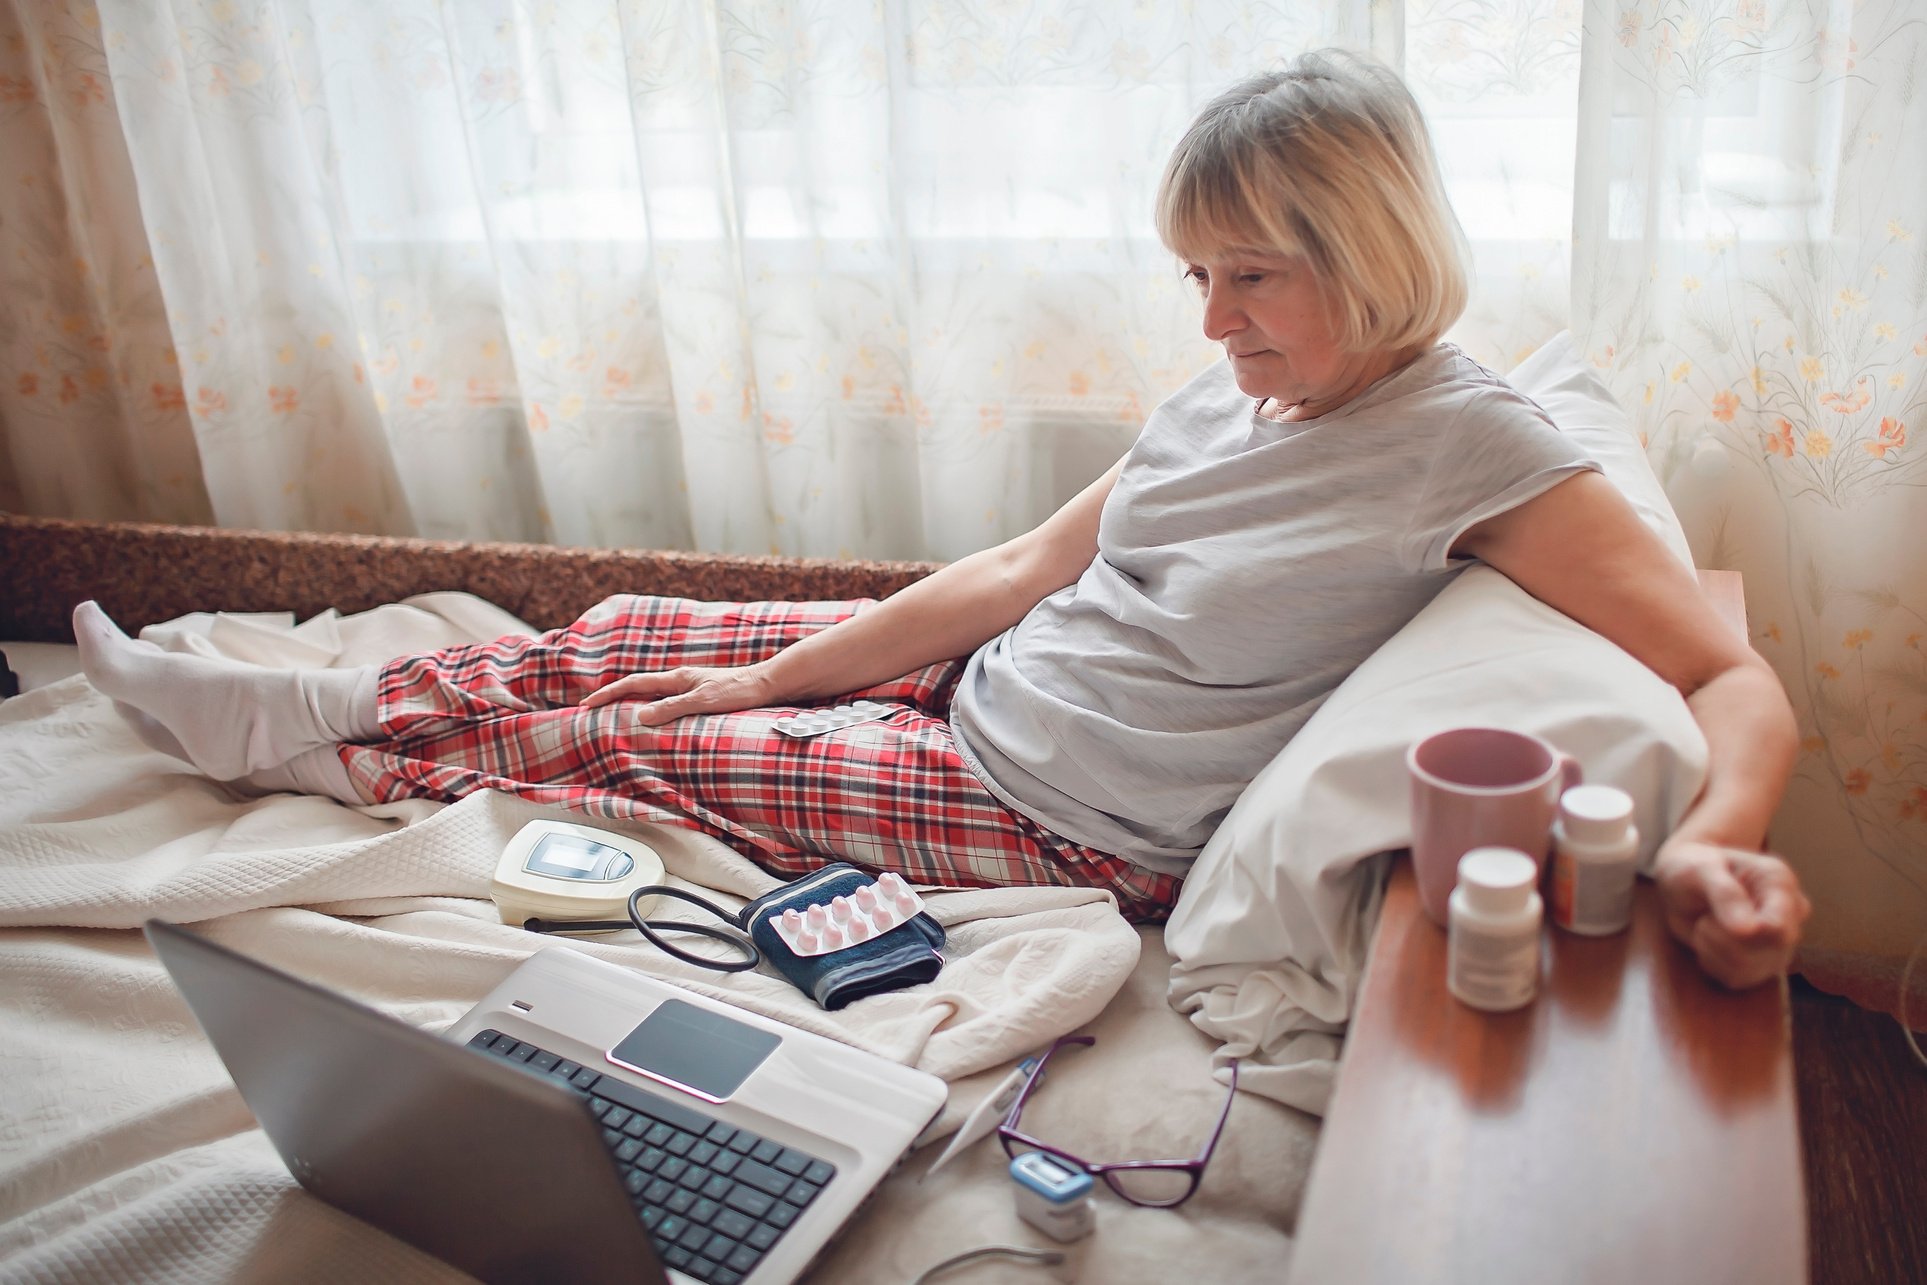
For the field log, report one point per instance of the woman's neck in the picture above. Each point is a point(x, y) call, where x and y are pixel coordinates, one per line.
point(1370, 368)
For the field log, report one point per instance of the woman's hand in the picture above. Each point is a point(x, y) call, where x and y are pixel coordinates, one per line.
point(677, 693)
point(1739, 912)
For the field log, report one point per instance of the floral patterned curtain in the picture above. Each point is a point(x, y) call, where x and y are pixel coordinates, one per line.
point(1749, 272)
point(816, 277)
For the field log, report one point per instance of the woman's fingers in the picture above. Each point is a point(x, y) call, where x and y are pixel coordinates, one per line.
point(1729, 902)
point(1739, 963)
point(671, 708)
point(641, 687)
point(1729, 962)
point(1724, 937)
point(1746, 940)
point(1775, 907)
point(671, 694)
point(1776, 891)
point(1739, 912)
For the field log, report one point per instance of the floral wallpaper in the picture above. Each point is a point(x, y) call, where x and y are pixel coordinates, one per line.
point(822, 277)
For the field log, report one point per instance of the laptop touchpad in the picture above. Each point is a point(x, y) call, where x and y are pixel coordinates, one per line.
point(695, 1049)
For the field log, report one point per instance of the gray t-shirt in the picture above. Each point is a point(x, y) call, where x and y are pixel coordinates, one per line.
point(1245, 567)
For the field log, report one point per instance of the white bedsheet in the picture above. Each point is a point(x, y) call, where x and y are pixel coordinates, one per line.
point(125, 1153)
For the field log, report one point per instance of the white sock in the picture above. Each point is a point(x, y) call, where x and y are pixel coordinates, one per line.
point(316, 771)
point(150, 731)
point(228, 717)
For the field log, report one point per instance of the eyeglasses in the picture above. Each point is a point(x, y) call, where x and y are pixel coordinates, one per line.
point(1157, 1183)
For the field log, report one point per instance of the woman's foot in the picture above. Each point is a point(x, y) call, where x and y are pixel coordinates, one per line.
point(226, 717)
point(149, 729)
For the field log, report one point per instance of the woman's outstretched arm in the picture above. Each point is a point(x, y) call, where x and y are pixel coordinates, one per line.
point(951, 612)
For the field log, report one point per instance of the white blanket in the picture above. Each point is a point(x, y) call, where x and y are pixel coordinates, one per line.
point(124, 1151)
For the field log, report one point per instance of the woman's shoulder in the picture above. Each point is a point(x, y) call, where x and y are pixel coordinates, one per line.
point(1449, 366)
point(1458, 382)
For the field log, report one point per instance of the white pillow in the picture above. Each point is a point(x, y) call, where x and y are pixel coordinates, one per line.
point(1273, 926)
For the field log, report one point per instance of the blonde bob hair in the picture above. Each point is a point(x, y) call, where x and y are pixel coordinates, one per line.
point(1327, 158)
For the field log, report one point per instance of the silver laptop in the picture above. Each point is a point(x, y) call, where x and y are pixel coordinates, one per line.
point(582, 1123)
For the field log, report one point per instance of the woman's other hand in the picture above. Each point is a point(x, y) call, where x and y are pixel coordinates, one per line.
point(677, 693)
point(1740, 913)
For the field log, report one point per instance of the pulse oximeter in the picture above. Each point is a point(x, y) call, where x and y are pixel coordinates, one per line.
point(1053, 1197)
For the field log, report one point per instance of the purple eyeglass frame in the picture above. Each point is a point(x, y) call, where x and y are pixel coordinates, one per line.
point(1009, 1134)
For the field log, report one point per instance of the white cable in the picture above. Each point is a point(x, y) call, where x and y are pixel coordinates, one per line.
point(1906, 1026)
point(1039, 1257)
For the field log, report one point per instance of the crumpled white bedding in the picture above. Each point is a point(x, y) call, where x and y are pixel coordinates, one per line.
point(125, 1153)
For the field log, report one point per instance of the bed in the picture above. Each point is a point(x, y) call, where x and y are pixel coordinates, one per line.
point(126, 1155)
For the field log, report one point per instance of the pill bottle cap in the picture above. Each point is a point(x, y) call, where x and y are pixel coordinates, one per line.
point(1595, 813)
point(1497, 881)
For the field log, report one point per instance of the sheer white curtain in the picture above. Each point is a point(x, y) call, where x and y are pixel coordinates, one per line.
point(816, 277)
point(805, 277)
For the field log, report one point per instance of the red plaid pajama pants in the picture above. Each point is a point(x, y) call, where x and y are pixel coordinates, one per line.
point(893, 794)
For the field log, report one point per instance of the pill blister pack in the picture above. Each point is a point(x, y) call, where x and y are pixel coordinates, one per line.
point(815, 722)
point(842, 922)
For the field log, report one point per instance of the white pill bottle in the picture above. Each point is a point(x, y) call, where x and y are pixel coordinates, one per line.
point(1492, 951)
point(1595, 860)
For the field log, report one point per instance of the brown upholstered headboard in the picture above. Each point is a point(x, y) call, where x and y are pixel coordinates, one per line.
point(144, 573)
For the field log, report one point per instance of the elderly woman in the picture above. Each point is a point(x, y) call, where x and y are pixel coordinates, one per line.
point(1084, 703)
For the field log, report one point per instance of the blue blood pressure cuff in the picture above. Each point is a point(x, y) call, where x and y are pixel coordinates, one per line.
point(905, 955)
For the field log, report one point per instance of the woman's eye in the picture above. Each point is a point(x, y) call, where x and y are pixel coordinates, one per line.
point(1250, 278)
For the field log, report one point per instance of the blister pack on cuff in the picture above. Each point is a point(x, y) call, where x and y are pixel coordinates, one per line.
point(850, 935)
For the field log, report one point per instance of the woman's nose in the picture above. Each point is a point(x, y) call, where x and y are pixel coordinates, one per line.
point(1221, 317)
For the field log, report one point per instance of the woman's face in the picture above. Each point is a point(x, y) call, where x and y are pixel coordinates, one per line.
point(1277, 328)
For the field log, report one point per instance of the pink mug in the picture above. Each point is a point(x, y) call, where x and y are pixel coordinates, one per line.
point(1476, 787)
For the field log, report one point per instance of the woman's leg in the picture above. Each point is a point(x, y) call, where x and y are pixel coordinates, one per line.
point(318, 771)
point(235, 720)
point(892, 794)
point(432, 693)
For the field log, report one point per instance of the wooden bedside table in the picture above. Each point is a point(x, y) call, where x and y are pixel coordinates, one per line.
point(1635, 1125)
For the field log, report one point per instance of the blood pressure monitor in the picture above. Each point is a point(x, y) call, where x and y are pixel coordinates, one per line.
point(557, 870)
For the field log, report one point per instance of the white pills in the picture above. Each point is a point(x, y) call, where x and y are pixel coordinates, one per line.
point(815, 722)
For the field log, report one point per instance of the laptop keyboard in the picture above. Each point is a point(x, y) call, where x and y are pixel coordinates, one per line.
point(713, 1198)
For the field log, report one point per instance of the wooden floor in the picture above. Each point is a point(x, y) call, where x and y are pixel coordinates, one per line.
point(1863, 1118)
